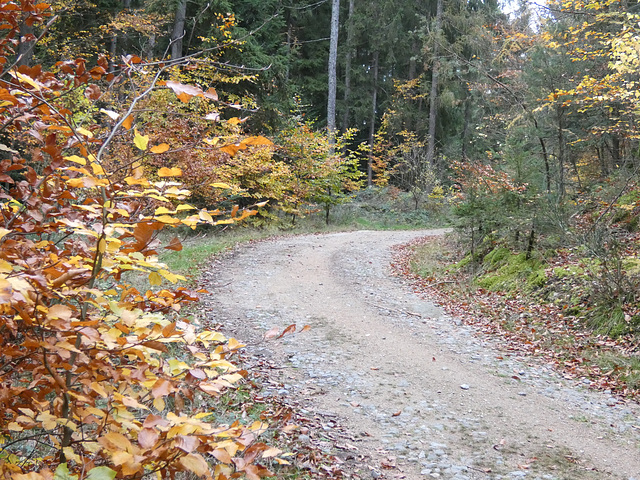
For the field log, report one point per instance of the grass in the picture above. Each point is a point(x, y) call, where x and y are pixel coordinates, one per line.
point(626, 367)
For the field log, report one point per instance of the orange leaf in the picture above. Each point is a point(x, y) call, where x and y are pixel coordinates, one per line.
point(161, 388)
point(163, 147)
point(232, 149)
point(128, 122)
point(174, 245)
point(184, 97)
point(259, 140)
point(290, 329)
point(187, 443)
point(222, 455)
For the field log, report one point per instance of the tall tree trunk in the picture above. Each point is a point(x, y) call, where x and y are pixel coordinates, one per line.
point(433, 104)
point(561, 151)
point(289, 48)
point(372, 123)
point(347, 67)
point(333, 63)
point(178, 30)
point(150, 47)
point(113, 46)
point(25, 47)
point(467, 122)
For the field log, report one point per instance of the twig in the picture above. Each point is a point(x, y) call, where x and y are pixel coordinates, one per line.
point(439, 283)
point(397, 310)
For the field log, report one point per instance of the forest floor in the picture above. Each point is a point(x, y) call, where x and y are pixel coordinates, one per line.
point(396, 388)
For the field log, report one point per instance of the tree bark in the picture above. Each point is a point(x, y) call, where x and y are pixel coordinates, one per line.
point(561, 152)
point(347, 67)
point(333, 63)
point(372, 123)
point(178, 30)
point(25, 47)
point(433, 104)
point(466, 125)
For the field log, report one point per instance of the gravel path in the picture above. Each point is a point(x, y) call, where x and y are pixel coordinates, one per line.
point(419, 394)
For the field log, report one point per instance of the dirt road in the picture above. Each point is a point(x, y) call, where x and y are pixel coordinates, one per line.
point(420, 394)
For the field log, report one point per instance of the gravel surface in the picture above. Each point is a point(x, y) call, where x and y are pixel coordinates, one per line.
point(419, 394)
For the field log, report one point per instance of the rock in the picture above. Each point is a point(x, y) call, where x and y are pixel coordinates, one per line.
point(464, 386)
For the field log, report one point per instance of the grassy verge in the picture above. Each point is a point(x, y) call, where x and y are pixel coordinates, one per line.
point(540, 306)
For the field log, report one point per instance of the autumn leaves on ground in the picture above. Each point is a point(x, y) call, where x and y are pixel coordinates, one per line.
point(107, 163)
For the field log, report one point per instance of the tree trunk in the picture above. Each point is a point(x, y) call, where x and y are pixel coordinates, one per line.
point(433, 105)
point(347, 67)
point(561, 150)
point(178, 30)
point(547, 169)
point(333, 63)
point(467, 122)
point(372, 123)
point(25, 47)
point(112, 53)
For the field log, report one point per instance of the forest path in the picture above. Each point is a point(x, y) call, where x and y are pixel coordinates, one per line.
point(403, 390)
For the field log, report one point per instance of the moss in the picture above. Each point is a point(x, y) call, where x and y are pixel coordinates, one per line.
point(568, 271)
point(462, 263)
point(510, 272)
point(631, 265)
point(497, 256)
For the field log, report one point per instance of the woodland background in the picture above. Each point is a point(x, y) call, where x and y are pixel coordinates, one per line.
point(126, 125)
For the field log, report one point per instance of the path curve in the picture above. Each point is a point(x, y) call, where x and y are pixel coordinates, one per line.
point(421, 395)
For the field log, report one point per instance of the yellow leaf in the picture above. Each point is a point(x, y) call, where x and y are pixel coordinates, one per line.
point(171, 277)
point(195, 463)
point(141, 141)
point(99, 389)
point(170, 172)
point(162, 211)
point(3, 232)
point(184, 206)
point(219, 185)
point(76, 159)
point(27, 79)
point(155, 278)
point(158, 404)
point(5, 267)
point(167, 219)
point(234, 344)
point(121, 457)
point(163, 147)
point(48, 421)
point(204, 216)
point(232, 377)
point(212, 141)
point(85, 132)
point(102, 245)
point(271, 452)
point(97, 169)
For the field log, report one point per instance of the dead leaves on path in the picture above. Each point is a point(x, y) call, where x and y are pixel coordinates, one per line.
point(523, 327)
